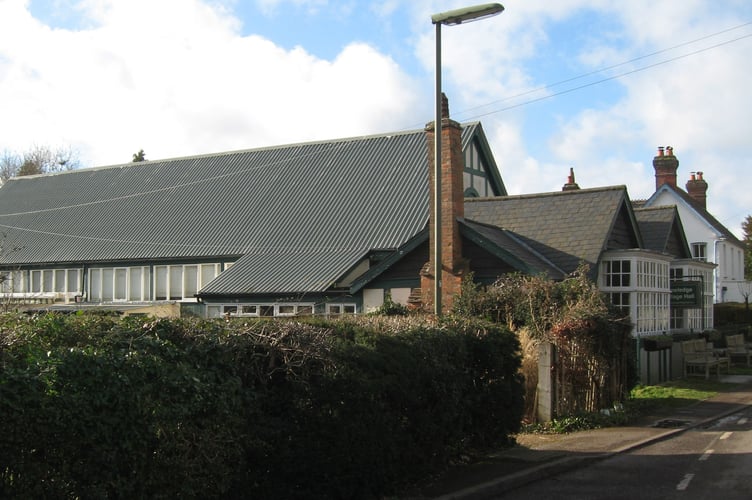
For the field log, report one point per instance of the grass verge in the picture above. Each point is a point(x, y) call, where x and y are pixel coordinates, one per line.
point(643, 400)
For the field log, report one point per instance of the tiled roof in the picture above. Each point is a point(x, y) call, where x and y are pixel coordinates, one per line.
point(565, 227)
point(656, 226)
point(510, 248)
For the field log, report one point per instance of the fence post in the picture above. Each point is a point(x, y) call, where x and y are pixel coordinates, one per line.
point(545, 392)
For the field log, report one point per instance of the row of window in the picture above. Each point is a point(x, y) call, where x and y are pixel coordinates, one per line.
point(617, 273)
point(176, 282)
point(275, 309)
point(108, 284)
point(59, 281)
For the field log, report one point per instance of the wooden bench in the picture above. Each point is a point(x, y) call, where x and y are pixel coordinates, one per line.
point(698, 358)
point(736, 347)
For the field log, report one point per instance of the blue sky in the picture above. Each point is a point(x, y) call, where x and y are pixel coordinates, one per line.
point(595, 85)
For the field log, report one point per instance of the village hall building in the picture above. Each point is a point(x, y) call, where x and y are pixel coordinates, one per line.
point(328, 227)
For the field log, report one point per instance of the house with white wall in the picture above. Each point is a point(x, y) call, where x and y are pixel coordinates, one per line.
point(709, 239)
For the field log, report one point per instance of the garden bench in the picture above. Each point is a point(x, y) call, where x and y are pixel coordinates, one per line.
point(735, 346)
point(698, 358)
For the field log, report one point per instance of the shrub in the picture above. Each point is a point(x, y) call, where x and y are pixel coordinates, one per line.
point(96, 407)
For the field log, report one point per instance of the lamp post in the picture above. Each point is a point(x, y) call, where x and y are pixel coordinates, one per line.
point(450, 18)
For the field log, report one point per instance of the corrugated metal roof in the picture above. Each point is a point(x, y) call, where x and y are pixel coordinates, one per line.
point(339, 195)
point(300, 215)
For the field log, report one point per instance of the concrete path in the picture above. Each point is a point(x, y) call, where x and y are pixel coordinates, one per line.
point(537, 455)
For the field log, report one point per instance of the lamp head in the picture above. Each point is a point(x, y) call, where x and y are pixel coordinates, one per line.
point(467, 14)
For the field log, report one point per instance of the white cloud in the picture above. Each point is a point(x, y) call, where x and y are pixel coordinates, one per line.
point(178, 80)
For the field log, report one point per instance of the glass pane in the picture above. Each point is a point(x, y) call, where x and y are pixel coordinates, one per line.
point(107, 283)
point(305, 310)
point(73, 281)
point(286, 309)
point(252, 310)
point(267, 310)
point(176, 282)
point(36, 281)
point(136, 284)
point(121, 283)
point(208, 273)
point(47, 280)
point(160, 284)
point(190, 277)
point(96, 284)
point(60, 280)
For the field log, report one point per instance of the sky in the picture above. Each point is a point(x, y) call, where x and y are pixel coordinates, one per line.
point(593, 85)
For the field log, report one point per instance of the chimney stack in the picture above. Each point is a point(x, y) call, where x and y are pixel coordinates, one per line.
point(453, 265)
point(697, 188)
point(665, 166)
point(571, 184)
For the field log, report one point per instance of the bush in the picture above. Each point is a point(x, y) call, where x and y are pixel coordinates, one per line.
point(96, 407)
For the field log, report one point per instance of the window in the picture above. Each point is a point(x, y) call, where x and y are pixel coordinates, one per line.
point(136, 284)
point(160, 282)
point(59, 280)
point(616, 273)
point(286, 310)
point(121, 283)
point(176, 282)
point(247, 310)
point(190, 281)
point(699, 251)
point(337, 309)
point(74, 281)
point(36, 281)
point(260, 310)
point(620, 300)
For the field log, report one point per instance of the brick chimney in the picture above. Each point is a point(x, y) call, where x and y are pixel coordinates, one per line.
point(665, 165)
point(571, 184)
point(698, 189)
point(453, 266)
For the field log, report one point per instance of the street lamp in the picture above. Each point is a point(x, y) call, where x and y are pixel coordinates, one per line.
point(450, 18)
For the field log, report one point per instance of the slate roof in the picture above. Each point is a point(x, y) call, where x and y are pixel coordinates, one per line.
point(564, 227)
point(658, 225)
point(297, 216)
point(511, 248)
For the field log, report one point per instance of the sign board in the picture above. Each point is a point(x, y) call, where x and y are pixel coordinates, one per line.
point(686, 294)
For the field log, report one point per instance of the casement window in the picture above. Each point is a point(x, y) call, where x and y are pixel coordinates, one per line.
point(617, 273)
point(699, 251)
point(621, 301)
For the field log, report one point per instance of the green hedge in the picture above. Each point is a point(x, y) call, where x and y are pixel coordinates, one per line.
point(98, 407)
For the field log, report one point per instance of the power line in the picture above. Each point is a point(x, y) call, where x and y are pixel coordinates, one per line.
point(602, 80)
point(617, 65)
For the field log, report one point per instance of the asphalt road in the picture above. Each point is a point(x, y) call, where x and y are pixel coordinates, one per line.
point(710, 462)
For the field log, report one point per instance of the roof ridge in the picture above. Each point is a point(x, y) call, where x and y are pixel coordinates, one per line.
point(546, 194)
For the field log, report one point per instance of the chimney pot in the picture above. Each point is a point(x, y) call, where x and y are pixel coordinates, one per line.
point(669, 151)
point(660, 150)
